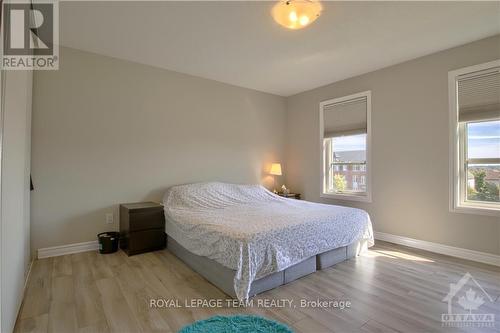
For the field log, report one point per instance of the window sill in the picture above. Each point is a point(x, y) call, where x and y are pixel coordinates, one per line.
point(348, 197)
point(477, 210)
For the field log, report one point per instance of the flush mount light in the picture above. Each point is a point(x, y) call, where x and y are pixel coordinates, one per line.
point(296, 14)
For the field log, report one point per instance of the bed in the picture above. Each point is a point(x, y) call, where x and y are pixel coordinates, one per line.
point(246, 239)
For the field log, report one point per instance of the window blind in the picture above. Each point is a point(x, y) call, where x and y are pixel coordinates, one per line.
point(345, 118)
point(479, 96)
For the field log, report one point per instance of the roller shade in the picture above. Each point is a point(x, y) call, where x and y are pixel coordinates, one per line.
point(479, 96)
point(345, 118)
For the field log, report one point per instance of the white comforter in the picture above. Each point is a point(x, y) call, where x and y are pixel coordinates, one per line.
point(255, 232)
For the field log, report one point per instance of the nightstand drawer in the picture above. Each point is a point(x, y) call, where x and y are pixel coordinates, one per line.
point(142, 227)
point(146, 220)
point(145, 240)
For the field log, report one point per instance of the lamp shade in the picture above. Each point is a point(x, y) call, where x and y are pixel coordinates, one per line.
point(275, 169)
point(296, 14)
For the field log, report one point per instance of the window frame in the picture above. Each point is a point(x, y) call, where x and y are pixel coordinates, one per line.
point(458, 150)
point(368, 165)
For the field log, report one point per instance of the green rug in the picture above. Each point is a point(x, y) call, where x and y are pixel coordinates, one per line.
point(236, 324)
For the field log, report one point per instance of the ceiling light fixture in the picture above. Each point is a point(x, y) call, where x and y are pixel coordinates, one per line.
point(296, 14)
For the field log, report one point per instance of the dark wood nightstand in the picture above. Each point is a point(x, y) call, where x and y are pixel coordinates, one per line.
point(142, 227)
point(289, 195)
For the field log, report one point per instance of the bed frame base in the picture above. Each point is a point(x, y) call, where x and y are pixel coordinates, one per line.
point(222, 277)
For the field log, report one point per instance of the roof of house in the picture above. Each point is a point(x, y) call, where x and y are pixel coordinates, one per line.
point(351, 156)
point(492, 174)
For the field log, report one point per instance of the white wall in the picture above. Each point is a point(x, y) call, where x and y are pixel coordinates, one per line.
point(15, 219)
point(107, 131)
point(410, 148)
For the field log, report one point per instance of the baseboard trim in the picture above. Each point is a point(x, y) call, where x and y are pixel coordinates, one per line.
point(487, 258)
point(25, 287)
point(56, 251)
point(483, 257)
point(27, 277)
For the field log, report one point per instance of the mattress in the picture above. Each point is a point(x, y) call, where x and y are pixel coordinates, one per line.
point(249, 229)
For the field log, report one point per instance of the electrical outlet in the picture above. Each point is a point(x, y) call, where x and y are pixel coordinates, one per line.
point(109, 218)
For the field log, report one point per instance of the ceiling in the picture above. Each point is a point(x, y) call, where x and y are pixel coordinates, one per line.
point(240, 44)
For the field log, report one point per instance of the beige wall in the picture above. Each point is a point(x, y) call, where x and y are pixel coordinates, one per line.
point(107, 131)
point(410, 148)
point(15, 194)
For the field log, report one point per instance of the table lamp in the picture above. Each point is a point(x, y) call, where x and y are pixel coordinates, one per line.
point(275, 171)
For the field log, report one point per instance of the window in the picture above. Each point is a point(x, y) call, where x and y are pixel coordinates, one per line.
point(475, 125)
point(345, 140)
point(355, 185)
point(482, 161)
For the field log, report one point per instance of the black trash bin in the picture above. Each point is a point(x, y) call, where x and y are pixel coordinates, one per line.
point(108, 241)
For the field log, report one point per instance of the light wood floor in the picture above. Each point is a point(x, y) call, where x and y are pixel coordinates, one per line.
point(391, 288)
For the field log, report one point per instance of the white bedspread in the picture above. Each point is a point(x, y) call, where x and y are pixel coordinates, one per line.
point(255, 232)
